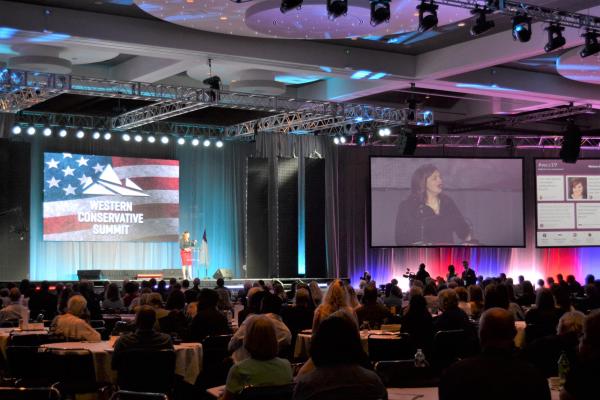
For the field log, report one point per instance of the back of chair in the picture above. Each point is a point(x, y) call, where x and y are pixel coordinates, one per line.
point(147, 371)
point(390, 348)
point(9, 324)
point(36, 339)
point(73, 369)
point(215, 361)
point(282, 392)
point(28, 364)
point(404, 373)
point(23, 393)
point(129, 395)
point(451, 346)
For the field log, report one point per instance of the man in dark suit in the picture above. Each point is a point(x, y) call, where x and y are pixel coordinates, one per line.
point(496, 373)
point(468, 275)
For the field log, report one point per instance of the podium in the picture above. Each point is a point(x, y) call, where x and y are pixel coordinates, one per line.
point(196, 261)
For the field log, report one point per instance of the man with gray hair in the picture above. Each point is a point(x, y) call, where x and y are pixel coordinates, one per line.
point(71, 325)
point(495, 374)
point(452, 317)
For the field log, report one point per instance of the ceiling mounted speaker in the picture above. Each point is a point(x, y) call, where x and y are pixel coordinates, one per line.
point(47, 64)
point(259, 82)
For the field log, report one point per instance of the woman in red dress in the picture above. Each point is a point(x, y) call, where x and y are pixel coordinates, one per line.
point(185, 250)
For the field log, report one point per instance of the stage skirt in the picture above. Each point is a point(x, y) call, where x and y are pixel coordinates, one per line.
point(186, 257)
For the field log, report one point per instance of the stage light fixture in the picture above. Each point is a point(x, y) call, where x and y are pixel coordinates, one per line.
point(521, 29)
point(219, 143)
point(555, 38)
point(80, 134)
point(482, 25)
point(361, 139)
point(428, 18)
point(571, 144)
point(151, 139)
point(47, 132)
point(181, 141)
point(63, 133)
point(96, 135)
point(138, 138)
point(164, 139)
point(126, 137)
point(336, 140)
point(380, 11)
point(206, 143)
point(16, 130)
point(383, 132)
point(342, 139)
point(31, 130)
point(591, 46)
point(195, 142)
point(336, 8)
point(287, 5)
point(107, 136)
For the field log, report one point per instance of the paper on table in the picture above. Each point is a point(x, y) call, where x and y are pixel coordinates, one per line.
point(216, 391)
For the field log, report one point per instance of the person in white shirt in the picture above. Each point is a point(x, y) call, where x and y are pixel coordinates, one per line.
point(14, 310)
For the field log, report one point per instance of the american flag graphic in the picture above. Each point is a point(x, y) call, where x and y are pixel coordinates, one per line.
point(102, 198)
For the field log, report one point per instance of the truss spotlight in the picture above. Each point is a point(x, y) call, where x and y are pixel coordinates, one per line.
point(555, 38)
point(47, 132)
point(181, 141)
point(126, 137)
point(138, 138)
point(96, 135)
point(107, 136)
point(287, 5)
point(164, 139)
point(521, 29)
point(31, 130)
point(591, 46)
point(383, 132)
point(151, 139)
point(482, 25)
point(219, 143)
point(16, 130)
point(336, 8)
point(195, 142)
point(206, 143)
point(571, 145)
point(336, 140)
point(342, 139)
point(428, 18)
point(361, 139)
point(380, 11)
point(80, 134)
point(63, 133)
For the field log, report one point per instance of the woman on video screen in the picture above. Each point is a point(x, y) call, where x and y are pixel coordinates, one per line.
point(429, 216)
point(578, 189)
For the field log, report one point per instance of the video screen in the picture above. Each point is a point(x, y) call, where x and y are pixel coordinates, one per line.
point(103, 198)
point(436, 202)
point(568, 203)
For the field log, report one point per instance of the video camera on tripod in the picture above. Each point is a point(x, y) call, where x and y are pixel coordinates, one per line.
point(409, 275)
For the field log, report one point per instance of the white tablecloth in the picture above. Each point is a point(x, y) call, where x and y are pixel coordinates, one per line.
point(431, 394)
point(188, 359)
point(6, 332)
point(302, 347)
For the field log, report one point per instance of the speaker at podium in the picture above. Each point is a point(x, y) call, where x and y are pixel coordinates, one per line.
point(224, 273)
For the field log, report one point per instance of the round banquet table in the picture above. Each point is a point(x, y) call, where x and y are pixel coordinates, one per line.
point(188, 359)
point(6, 332)
point(431, 393)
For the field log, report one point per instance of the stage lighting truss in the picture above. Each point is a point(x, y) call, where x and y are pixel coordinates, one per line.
point(502, 141)
point(555, 38)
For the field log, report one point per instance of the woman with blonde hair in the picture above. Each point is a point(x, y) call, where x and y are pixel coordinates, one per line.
point(336, 299)
point(315, 293)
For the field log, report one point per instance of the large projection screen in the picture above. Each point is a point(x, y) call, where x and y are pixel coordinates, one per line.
point(439, 202)
point(567, 203)
point(104, 198)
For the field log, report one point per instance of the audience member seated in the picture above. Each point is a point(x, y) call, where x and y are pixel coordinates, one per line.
point(279, 291)
point(452, 317)
point(315, 293)
point(394, 298)
point(463, 299)
point(544, 317)
point(495, 374)
point(262, 367)
point(528, 296)
point(544, 353)
point(63, 299)
point(13, 311)
point(353, 302)
point(113, 300)
point(175, 323)
point(131, 292)
point(192, 294)
point(144, 337)
point(224, 295)
point(270, 307)
point(431, 296)
point(371, 311)
point(254, 299)
point(208, 320)
point(574, 287)
point(72, 324)
point(418, 323)
point(43, 302)
point(300, 315)
point(4, 298)
point(86, 289)
point(582, 378)
point(338, 363)
point(336, 299)
point(475, 301)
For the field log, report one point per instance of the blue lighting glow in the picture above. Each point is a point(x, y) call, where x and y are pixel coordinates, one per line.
point(49, 37)
point(372, 37)
point(360, 74)
point(7, 33)
point(6, 49)
point(577, 67)
point(121, 2)
point(378, 75)
point(297, 80)
point(325, 69)
point(186, 17)
point(484, 87)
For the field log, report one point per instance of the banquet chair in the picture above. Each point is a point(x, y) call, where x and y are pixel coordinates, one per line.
point(20, 360)
point(280, 392)
point(129, 395)
point(215, 361)
point(146, 371)
point(100, 327)
point(74, 371)
point(23, 393)
point(385, 348)
point(404, 373)
point(451, 346)
point(9, 324)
